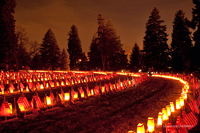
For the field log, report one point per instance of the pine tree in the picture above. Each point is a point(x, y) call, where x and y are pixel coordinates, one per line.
point(50, 52)
point(181, 43)
point(135, 58)
point(109, 44)
point(115, 56)
point(83, 62)
point(74, 48)
point(102, 39)
point(120, 60)
point(155, 43)
point(95, 61)
point(196, 34)
point(65, 60)
point(36, 63)
point(8, 41)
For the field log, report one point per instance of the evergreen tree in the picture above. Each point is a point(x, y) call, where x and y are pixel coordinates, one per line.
point(95, 61)
point(65, 60)
point(102, 39)
point(74, 48)
point(8, 41)
point(115, 56)
point(135, 58)
point(120, 60)
point(36, 63)
point(50, 52)
point(83, 62)
point(181, 43)
point(109, 45)
point(155, 43)
point(196, 34)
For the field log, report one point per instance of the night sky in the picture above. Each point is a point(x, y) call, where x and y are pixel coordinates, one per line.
point(129, 18)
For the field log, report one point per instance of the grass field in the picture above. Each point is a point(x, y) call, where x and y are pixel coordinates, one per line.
point(117, 112)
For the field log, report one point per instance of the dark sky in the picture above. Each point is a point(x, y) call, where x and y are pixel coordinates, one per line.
point(129, 18)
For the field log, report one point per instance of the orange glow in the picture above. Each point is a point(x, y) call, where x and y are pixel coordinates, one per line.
point(172, 106)
point(48, 100)
point(6, 108)
point(62, 83)
point(165, 114)
point(67, 96)
point(159, 123)
point(111, 88)
point(82, 95)
point(181, 101)
point(103, 89)
point(121, 84)
point(47, 85)
point(140, 128)
point(178, 106)
point(168, 107)
point(184, 95)
point(41, 86)
point(11, 88)
point(57, 83)
point(150, 124)
point(75, 95)
point(21, 106)
point(92, 91)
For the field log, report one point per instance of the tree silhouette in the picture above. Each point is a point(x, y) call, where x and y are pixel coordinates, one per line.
point(50, 52)
point(65, 60)
point(36, 63)
point(95, 61)
point(23, 57)
point(135, 58)
point(196, 35)
point(181, 43)
point(109, 44)
point(74, 48)
point(155, 45)
point(8, 40)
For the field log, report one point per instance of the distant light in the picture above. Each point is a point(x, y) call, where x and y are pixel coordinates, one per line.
point(139, 70)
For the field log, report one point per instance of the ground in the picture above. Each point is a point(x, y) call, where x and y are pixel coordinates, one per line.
point(118, 112)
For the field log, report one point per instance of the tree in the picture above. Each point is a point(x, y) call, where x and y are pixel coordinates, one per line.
point(115, 56)
point(102, 39)
point(8, 40)
point(83, 63)
point(95, 60)
point(50, 52)
point(23, 57)
point(196, 35)
point(74, 48)
point(181, 43)
point(36, 63)
point(155, 45)
point(109, 45)
point(65, 61)
point(135, 58)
